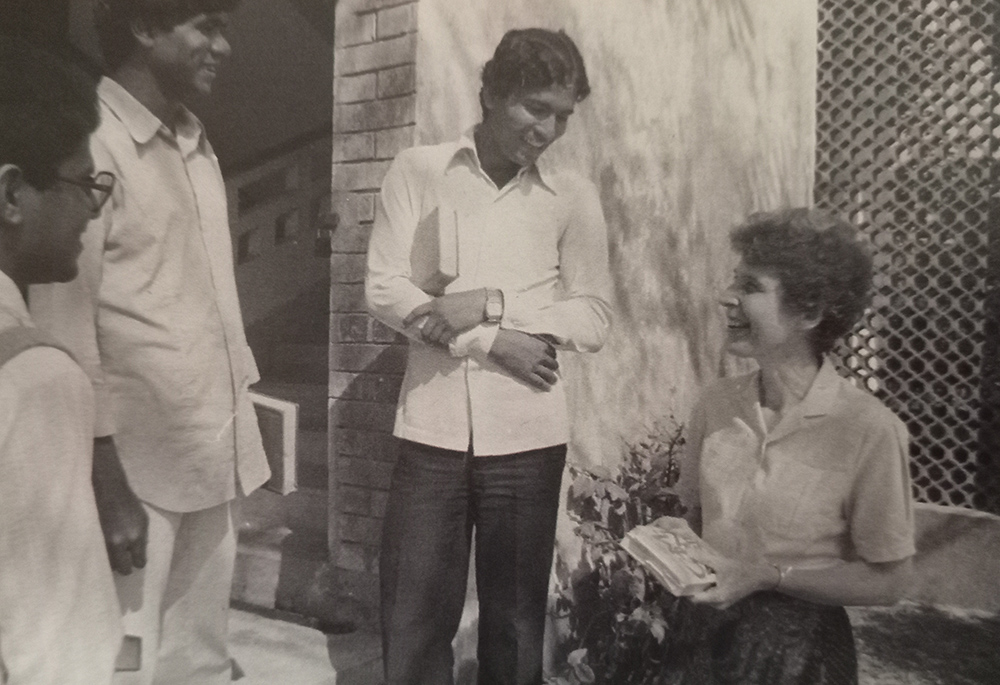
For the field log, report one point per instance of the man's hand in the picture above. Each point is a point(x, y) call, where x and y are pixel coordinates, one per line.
point(124, 521)
point(526, 357)
point(449, 315)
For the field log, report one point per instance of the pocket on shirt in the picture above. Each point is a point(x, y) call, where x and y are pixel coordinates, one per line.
point(803, 502)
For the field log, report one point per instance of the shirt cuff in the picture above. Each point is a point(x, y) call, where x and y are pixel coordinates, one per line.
point(475, 342)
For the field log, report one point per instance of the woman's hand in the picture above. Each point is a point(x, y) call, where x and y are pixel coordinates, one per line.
point(734, 580)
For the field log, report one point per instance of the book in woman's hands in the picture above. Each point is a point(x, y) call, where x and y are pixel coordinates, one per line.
point(664, 548)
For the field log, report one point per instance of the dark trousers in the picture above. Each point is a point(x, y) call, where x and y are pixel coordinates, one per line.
point(438, 498)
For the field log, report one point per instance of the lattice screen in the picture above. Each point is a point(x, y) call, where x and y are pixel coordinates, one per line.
point(908, 120)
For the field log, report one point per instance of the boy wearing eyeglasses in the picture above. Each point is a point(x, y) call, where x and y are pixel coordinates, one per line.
point(155, 320)
point(60, 622)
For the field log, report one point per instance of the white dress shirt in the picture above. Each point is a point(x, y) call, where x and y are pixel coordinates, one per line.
point(542, 240)
point(59, 617)
point(154, 317)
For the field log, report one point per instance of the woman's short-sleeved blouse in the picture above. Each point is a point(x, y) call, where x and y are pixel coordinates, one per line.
point(829, 482)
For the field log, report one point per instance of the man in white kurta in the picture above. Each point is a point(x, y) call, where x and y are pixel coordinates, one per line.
point(154, 319)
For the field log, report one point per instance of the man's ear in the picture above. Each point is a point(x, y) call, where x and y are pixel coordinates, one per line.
point(488, 100)
point(142, 32)
point(11, 184)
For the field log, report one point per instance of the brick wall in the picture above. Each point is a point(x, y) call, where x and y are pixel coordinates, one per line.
point(373, 119)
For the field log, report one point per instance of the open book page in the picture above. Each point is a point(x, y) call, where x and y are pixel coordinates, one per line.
point(664, 547)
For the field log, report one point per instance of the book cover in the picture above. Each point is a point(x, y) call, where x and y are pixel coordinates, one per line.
point(664, 548)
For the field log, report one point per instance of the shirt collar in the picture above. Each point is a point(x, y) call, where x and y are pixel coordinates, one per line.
point(142, 124)
point(823, 391)
point(465, 150)
point(12, 302)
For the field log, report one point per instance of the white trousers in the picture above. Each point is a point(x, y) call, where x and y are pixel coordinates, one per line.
point(179, 603)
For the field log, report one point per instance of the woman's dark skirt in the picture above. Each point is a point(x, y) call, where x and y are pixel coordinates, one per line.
point(766, 639)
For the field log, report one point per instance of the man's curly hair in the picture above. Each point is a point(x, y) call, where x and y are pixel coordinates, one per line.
point(528, 59)
point(113, 20)
point(823, 263)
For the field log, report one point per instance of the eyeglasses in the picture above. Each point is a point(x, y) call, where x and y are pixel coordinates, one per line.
point(100, 186)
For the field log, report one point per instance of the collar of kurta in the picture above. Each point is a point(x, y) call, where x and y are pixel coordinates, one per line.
point(142, 124)
point(465, 152)
point(12, 302)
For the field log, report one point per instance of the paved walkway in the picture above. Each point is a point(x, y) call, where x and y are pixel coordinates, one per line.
point(272, 651)
point(904, 645)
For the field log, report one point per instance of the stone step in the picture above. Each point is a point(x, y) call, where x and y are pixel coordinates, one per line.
point(282, 547)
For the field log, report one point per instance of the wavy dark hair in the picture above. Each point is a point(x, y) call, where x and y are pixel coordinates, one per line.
point(823, 263)
point(113, 20)
point(48, 108)
point(528, 59)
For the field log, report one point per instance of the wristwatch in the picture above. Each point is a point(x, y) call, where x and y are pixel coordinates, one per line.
point(494, 305)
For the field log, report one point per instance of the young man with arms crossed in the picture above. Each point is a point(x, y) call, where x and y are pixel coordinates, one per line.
point(482, 415)
point(154, 318)
point(59, 618)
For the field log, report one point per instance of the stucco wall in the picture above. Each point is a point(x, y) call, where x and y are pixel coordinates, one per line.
point(701, 112)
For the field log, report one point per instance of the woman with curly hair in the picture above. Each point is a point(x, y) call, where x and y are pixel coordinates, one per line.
point(802, 480)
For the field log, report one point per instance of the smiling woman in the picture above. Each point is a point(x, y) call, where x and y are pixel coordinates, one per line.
point(802, 478)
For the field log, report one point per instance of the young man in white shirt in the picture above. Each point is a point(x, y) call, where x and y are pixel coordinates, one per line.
point(154, 319)
point(59, 618)
point(482, 413)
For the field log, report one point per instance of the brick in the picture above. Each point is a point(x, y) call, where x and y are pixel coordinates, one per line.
point(354, 208)
point(380, 446)
point(349, 328)
point(354, 500)
point(348, 239)
point(364, 472)
point(355, 88)
point(358, 59)
point(347, 298)
point(397, 81)
point(378, 503)
point(372, 358)
point(370, 5)
point(380, 333)
point(395, 21)
point(358, 414)
point(347, 268)
point(353, 557)
point(367, 387)
point(363, 529)
point(354, 28)
point(359, 175)
point(353, 147)
point(375, 115)
point(391, 142)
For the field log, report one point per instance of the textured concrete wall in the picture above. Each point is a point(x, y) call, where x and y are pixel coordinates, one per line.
point(702, 111)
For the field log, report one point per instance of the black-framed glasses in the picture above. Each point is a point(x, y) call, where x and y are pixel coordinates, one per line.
point(100, 186)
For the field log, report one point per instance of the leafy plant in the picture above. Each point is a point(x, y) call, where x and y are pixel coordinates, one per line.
point(618, 615)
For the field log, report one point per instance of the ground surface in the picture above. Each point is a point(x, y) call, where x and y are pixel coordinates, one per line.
point(913, 645)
